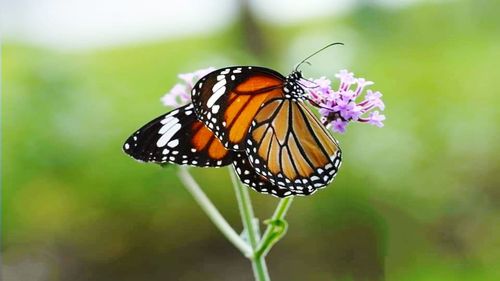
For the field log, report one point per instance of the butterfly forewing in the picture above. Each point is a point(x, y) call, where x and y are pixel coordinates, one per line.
point(288, 145)
point(177, 137)
point(227, 100)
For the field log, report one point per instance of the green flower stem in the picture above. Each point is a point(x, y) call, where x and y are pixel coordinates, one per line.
point(213, 213)
point(276, 229)
point(251, 228)
point(256, 248)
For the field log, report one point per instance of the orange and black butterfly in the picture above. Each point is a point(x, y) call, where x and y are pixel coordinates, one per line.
point(254, 118)
point(263, 114)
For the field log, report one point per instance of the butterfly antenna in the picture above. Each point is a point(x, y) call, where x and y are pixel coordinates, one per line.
point(310, 56)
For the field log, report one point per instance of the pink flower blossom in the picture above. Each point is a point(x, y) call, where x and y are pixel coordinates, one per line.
point(338, 125)
point(180, 94)
point(376, 119)
point(339, 107)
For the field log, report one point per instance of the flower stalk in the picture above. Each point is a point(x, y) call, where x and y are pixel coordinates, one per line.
point(254, 247)
point(250, 228)
point(212, 212)
point(276, 229)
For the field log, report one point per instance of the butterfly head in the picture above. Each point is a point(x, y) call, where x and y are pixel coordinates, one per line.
point(292, 87)
point(295, 75)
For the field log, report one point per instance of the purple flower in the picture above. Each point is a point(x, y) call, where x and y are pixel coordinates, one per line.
point(180, 94)
point(375, 99)
point(339, 107)
point(376, 119)
point(338, 125)
point(346, 77)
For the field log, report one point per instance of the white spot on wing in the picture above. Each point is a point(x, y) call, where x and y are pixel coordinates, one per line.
point(213, 98)
point(168, 135)
point(173, 143)
point(218, 85)
point(168, 122)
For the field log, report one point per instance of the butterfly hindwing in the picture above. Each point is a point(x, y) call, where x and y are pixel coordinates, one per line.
point(177, 137)
point(248, 176)
point(227, 100)
point(289, 146)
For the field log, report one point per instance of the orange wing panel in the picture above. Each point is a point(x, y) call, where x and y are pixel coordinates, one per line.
point(201, 137)
point(257, 83)
point(242, 111)
point(236, 105)
point(216, 149)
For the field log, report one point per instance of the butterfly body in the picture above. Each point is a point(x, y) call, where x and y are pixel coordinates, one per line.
point(292, 89)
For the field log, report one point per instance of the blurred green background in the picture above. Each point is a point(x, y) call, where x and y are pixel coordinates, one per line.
point(416, 200)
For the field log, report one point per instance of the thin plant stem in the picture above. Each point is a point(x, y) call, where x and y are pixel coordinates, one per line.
point(251, 229)
point(212, 212)
point(256, 248)
point(276, 228)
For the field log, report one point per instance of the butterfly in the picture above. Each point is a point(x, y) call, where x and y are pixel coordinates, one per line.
point(250, 116)
point(260, 112)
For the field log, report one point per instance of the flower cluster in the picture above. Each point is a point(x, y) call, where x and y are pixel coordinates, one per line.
point(180, 94)
point(339, 107)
